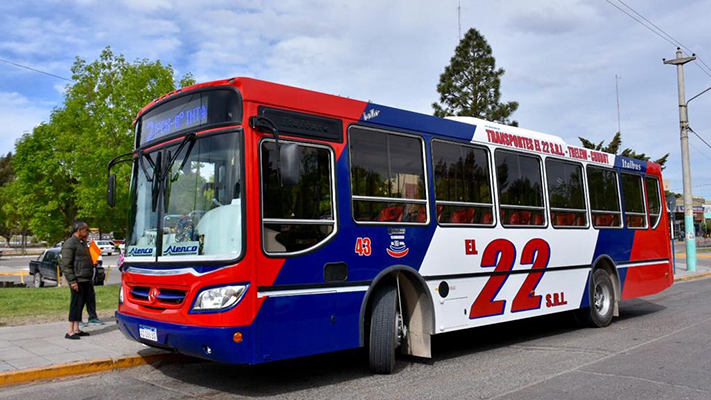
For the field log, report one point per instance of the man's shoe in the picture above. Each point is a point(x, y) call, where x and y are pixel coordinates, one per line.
point(71, 337)
point(83, 324)
point(95, 321)
point(82, 333)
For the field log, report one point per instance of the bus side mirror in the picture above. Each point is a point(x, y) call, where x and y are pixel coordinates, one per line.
point(110, 191)
point(290, 163)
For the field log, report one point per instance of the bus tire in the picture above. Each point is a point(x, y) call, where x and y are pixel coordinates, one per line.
point(37, 280)
point(383, 330)
point(602, 300)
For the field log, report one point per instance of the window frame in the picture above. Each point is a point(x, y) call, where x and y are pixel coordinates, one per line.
point(659, 197)
point(425, 170)
point(644, 199)
point(586, 200)
point(544, 207)
point(332, 180)
point(494, 215)
point(619, 197)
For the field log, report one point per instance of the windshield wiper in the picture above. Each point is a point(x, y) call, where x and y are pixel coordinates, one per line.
point(156, 187)
point(189, 138)
point(148, 157)
point(170, 160)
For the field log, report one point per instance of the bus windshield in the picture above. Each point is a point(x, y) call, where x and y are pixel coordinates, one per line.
point(200, 215)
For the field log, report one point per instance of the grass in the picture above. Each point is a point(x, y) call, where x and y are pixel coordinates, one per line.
point(21, 306)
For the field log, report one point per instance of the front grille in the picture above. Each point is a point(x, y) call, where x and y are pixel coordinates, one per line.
point(157, 297)
point(140, 292)
point(172, 296)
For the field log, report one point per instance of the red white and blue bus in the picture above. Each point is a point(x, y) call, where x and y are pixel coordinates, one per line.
point(269, 222)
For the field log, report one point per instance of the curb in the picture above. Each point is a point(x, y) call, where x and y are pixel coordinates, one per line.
point(692, 277)
point(82, 367)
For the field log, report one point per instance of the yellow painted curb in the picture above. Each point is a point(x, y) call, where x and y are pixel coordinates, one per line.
point(80, 368)
point(691, 277)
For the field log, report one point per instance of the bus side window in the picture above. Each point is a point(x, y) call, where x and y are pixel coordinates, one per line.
point(653, 202)
point(604, 197)
point(298, 217)
point(462, 184)
point(633, 196)
point(387, 177)
point(520, 189)
point(566, 194)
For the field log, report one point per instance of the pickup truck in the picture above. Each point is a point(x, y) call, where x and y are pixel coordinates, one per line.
point(45, 268)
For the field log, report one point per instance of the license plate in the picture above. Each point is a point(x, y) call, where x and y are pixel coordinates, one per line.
point(146, 332)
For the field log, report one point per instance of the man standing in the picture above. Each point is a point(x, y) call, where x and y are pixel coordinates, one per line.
point(90, 300)
point(78, 270)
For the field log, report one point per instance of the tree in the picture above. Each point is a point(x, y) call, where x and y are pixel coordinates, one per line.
point(16, 209)
point(7, 175)
point(614, 148)
point(44, 182)
point(469, 85)
point(61, 165)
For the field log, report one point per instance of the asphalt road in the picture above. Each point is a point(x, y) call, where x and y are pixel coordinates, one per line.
point(660, 348)
point(17, 264)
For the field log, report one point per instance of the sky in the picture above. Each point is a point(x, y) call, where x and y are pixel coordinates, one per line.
point(560, 57)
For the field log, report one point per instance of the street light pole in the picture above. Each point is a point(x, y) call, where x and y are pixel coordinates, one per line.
point(690, 240)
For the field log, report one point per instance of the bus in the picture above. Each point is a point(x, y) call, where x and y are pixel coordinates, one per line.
point(269, 222)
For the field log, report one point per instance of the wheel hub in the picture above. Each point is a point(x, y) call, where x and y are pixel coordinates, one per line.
point(601, 299)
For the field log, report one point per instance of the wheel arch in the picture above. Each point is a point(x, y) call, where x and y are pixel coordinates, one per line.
point(417, 302)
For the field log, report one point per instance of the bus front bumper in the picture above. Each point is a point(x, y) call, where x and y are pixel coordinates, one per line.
point(215, 344)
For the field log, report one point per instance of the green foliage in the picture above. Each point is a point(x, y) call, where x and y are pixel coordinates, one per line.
point(614, 148)
point(61, 165)
point(469, 85)
point(7, 175)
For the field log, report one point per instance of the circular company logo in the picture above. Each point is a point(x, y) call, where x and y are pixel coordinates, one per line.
point(152, 295)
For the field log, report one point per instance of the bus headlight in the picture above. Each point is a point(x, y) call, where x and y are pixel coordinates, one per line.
point(121, 295)
point(219, 298)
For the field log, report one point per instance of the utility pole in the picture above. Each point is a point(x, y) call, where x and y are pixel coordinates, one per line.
point(617, 93)
point(459, 19)
point(690, 240)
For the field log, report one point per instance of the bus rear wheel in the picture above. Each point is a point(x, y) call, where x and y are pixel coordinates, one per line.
point(385, 327)
point(602, 300)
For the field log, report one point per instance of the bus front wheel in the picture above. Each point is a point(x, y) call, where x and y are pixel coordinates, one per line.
point(602, 300)
point(384, 321)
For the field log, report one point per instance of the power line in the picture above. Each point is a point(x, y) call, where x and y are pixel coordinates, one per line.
point(700, 152)
point(700, 138)
point(640, 22)
point(661, 33)
point(35, 70)
point(669, 36)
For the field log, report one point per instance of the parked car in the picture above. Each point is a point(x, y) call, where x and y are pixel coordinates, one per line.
point(107, 247)
point(0, 252)
point(46, 266)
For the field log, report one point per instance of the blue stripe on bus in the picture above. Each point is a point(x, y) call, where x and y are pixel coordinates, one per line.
point(408, 120)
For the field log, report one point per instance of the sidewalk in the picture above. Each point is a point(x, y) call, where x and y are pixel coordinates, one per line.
point(33, 348)
point(682, 274)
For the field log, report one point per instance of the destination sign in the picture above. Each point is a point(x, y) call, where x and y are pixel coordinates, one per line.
point(181, 116)
point(190, 112)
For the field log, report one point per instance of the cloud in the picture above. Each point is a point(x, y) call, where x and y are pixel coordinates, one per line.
point(552, 17)
point(18, 115)
point(560, 56)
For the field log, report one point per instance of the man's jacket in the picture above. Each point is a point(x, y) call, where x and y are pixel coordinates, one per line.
point(76, 261)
